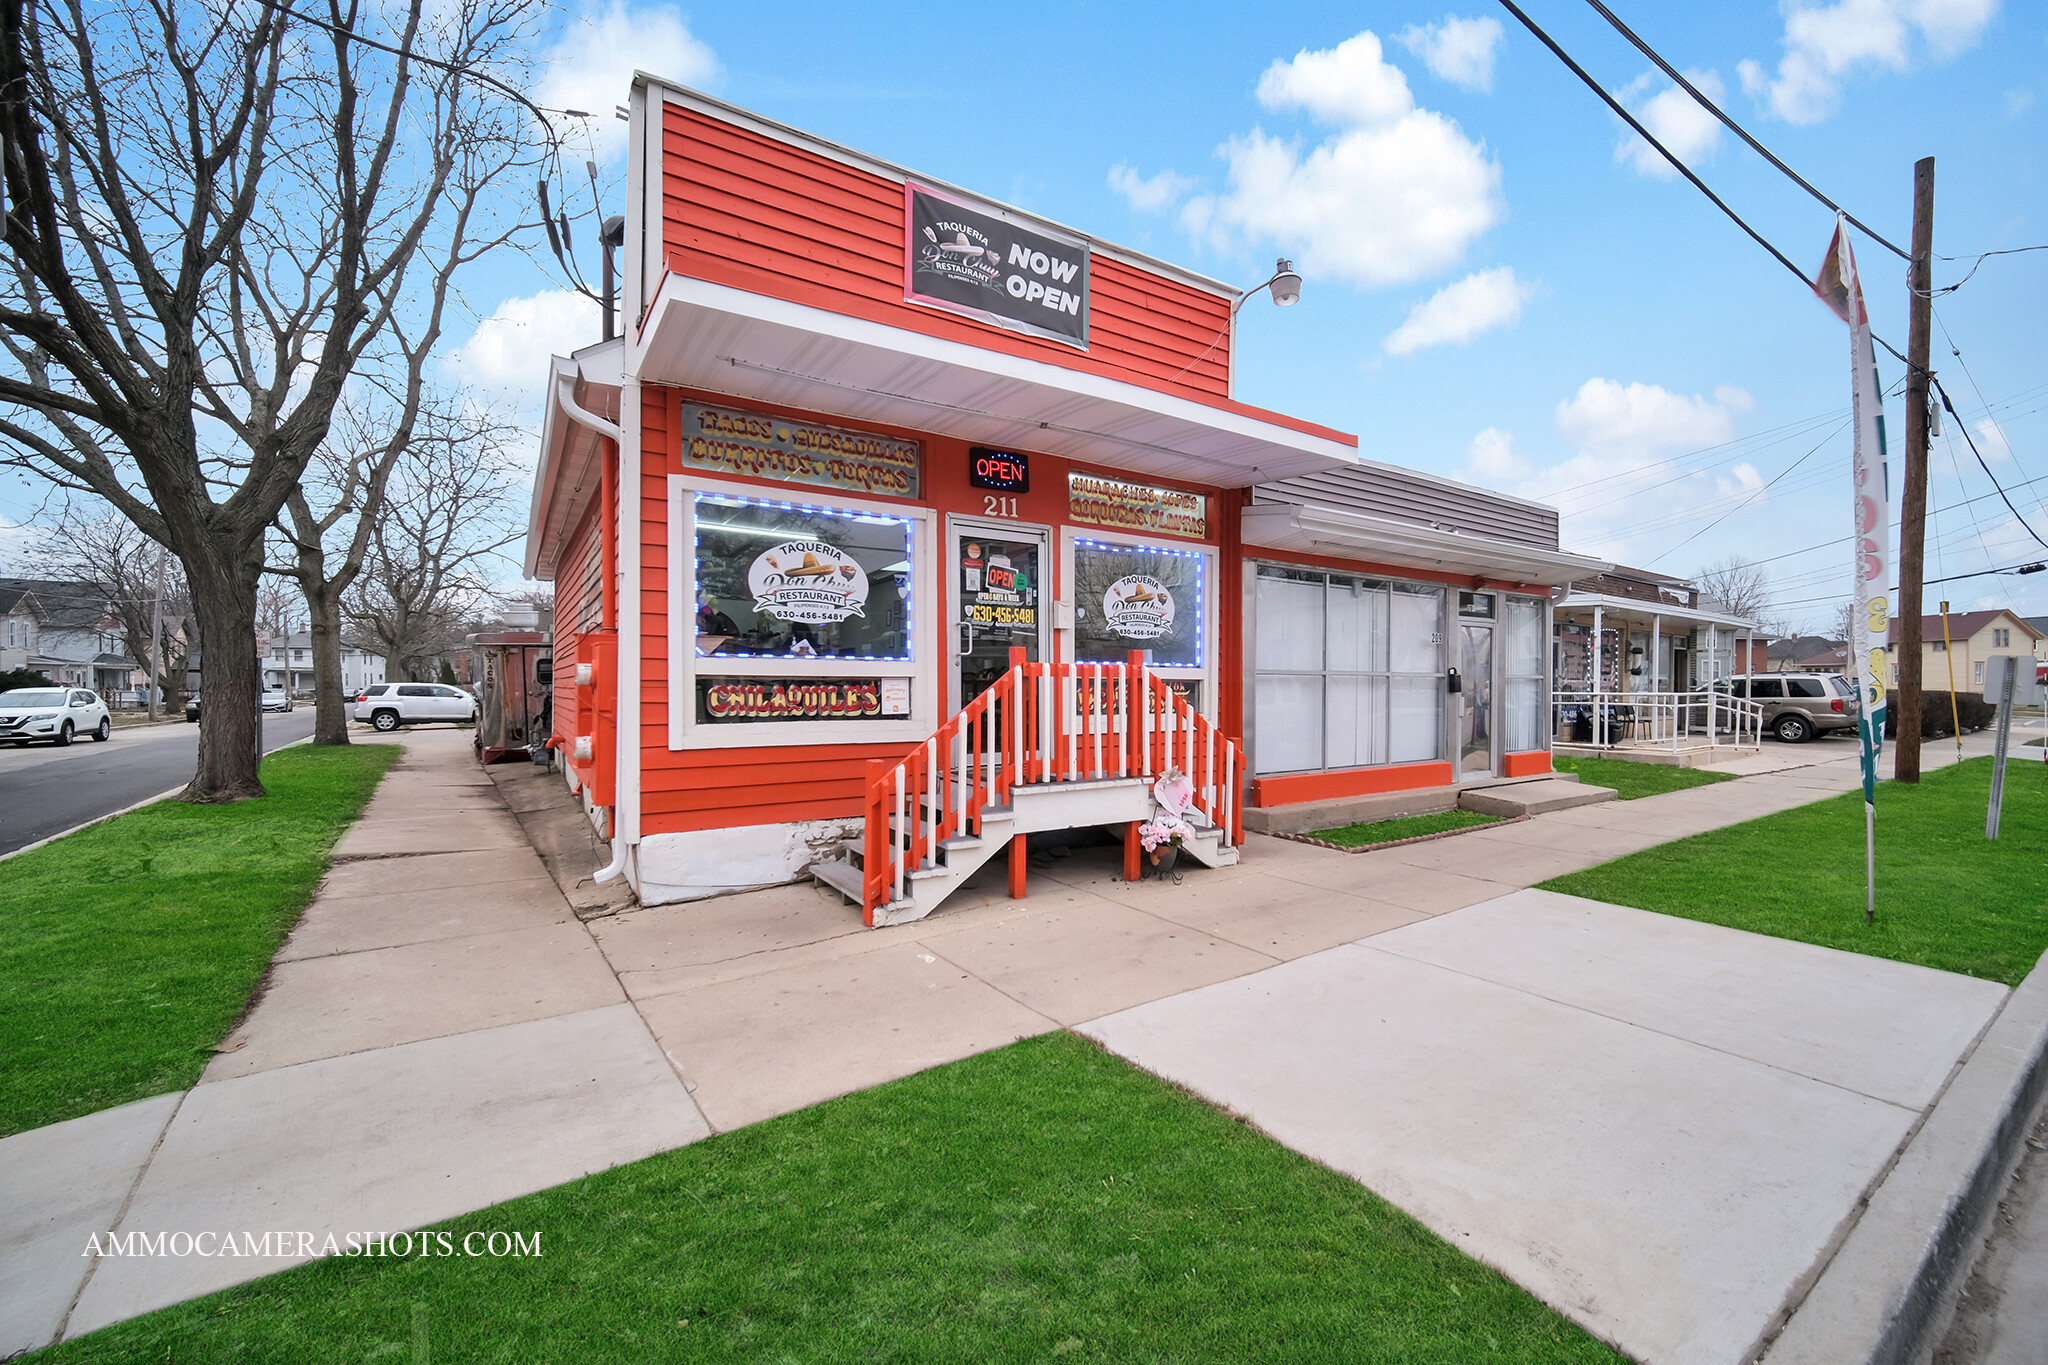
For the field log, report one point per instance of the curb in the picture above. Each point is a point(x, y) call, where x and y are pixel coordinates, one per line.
point(1887, 1293)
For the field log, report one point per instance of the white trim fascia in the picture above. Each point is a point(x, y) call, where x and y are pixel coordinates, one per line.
point(685, 292)
point(689, 98)
point(633, 253)
point(594, 364)
point(1332, 530)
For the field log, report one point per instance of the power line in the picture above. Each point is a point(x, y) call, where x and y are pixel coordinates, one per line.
point(1753, 496)
point(1738, 129)
point(1951, 409)
point(1647, 136)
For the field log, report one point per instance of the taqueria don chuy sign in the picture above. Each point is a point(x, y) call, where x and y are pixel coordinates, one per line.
point(975, 259)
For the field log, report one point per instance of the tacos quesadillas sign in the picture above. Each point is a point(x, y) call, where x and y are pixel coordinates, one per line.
point(807, 581)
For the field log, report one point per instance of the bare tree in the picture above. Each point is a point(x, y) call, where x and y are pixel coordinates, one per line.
point(1742, 588)
point(450, 506)
point(142, 587)
point(1843, 628)
point(218, 211)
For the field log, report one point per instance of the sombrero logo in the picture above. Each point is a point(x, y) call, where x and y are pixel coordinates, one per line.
point(807, 581)
point(1138, 607)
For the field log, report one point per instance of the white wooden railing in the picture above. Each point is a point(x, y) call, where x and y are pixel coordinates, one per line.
point(1678, 720)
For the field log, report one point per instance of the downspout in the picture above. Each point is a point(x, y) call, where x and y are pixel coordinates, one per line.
point(626, 832)
point(565, 397)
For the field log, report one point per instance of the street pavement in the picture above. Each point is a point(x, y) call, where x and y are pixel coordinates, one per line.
point(2002, 1314)
point(441, 1001)
point(45, 790)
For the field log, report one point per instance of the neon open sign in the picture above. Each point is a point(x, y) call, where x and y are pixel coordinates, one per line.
point(1005, 471)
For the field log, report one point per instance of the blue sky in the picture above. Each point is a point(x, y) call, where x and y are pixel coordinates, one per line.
point(1498, 287)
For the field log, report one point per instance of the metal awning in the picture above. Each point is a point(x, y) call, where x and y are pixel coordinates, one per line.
point(567, 477)
point(766, 350)
point(1628, 608)
point(1310, 529)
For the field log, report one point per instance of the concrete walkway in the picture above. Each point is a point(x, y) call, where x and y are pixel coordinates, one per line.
point(441, 1032)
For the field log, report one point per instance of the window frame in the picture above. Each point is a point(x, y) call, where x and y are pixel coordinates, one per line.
point(685, 668)
point(1066, 637)
point(1389, 583)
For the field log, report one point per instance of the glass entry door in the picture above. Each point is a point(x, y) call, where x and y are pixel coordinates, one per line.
point(1475, 727)
point(998, 602)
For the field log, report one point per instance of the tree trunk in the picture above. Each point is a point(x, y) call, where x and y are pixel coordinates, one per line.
point(330, 705)
point(230, 686)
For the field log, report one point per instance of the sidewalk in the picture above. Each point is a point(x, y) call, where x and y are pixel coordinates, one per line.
point(441, 1032)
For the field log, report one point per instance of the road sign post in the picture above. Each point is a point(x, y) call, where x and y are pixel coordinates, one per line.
point(2008, 682)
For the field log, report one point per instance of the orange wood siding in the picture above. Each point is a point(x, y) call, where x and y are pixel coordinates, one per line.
point(755, 213)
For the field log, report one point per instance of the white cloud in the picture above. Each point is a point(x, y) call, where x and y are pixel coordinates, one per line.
point(1493, 459)
point(2017, 102)
point(505, 361)
point(1459, 312)
point(1991, 441)
point(1458, 50)
point(592, 66)
point(1148, 194)
point(1675, 119)
point(1349, 84)
point(1824, 44)
point(1638, 421)
point(1396, 194)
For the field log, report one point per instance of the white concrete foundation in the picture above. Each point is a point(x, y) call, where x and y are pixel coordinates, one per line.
point(718, 862)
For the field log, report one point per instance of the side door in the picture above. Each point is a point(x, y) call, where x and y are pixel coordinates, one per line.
point(455, 703)
point(416, 702)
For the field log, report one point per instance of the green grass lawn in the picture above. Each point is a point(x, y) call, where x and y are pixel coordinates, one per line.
point(1407, 827)
point(127, 950)
point(1632, 780)
point(1945, 897)
point(1043, 1202)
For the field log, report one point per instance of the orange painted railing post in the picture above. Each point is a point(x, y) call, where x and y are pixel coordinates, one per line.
point(1017, 855)
point(874, 864)
point(1131, 852)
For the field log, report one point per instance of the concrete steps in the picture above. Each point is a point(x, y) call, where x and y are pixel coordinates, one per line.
point(1533, 798)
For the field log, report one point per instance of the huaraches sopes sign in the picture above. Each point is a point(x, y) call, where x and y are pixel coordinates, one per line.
point(973, 259)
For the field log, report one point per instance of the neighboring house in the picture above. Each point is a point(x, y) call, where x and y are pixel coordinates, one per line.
point(1973, 637)
point(1656, 633)
point(288, 664)
point(2039, 625)
point(1798, 653)
point(21, 620)
point(69, 634)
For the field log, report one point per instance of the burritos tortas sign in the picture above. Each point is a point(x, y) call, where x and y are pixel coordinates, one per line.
point(976, 259)
point(807, 581)
point(1138, 607)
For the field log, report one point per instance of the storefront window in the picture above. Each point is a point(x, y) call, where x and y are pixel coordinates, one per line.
point(788, 581)
point(1130, 597)
point(1350, 671)
point(1526, 707)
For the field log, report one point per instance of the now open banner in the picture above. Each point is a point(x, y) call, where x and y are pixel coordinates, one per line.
point(975, 260)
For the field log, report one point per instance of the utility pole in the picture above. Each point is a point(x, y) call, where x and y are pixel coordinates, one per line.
point(1913, 504)
point(156, 634)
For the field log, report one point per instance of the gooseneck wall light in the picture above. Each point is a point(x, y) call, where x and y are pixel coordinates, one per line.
point(1285, 284)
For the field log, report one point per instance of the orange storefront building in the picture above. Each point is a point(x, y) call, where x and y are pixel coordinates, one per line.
point(900, 523)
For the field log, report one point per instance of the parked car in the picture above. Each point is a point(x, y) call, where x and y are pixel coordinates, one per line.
point(276, 699)
point(386, 706)
point(1799, 706)
point(192, 709)
point(58, 714)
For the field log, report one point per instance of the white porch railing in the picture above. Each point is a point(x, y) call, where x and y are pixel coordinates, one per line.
point(1674, 720)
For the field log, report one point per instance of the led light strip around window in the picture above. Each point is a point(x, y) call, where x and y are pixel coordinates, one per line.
point(1201, 572)
point(909, 525)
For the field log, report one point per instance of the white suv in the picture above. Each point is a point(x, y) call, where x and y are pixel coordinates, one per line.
point(386, 706)
point(57, 714)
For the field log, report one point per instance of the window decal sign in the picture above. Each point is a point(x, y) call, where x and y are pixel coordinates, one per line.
point(1135, 507)
point(807, 581)
point(729, 700)
point(1138, 607)
point(975, 260)
point(764, 446)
